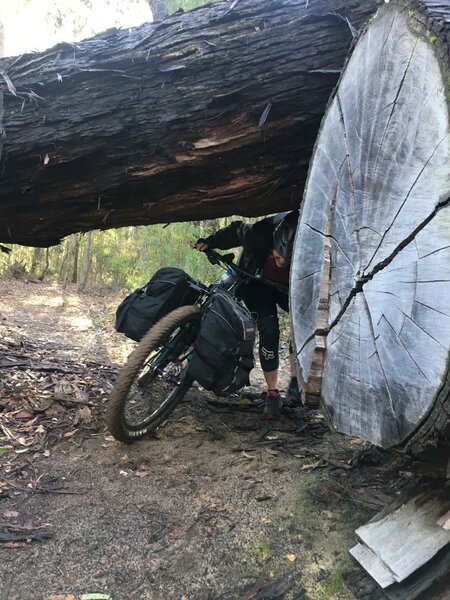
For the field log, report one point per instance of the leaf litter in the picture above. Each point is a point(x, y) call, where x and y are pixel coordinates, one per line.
point(215, 479)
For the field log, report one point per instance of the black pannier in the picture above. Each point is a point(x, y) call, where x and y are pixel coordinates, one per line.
point(168, 289)
point(223, 351)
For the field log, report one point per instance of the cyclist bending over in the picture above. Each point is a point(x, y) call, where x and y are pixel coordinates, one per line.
point(266, 251)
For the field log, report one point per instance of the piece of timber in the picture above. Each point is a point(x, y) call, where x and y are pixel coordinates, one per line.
point(408, 536)
point(373, 565)
point(400, 547)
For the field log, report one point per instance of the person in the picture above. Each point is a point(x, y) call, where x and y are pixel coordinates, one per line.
point(266, 252)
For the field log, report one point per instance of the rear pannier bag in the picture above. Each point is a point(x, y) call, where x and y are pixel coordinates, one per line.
point(223, 351)
point(168, 289)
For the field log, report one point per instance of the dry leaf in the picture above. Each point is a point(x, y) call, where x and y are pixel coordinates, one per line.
point(244, 453)
point(85, 414)
point(310, 466)
point(266, 521)
point(272, 452)
point(291, 557)
point(23, 414)
point(176, 533)
point(70, 433)
point(141, 473)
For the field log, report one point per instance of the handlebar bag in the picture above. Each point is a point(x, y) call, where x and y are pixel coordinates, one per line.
point(222, 357)
point(169, 288)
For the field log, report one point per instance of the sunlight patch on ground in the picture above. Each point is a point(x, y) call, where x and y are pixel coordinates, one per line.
point(80, 323)
point(57, 301)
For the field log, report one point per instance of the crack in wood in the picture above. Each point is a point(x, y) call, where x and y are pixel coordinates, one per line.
point(432, 308)
point(377, 108)
point(350, 173)
point(405, 348)
point(391, 26)
point(370, 229)
point(309, 275)
point(338, 337)
point(426, 281)
point(434, 252)
point(416, 275)
point(377, 354)
point(394, 105)
point(359, 347)
point(406, 199)
point(386, 292)
point(330, 237)
point(365, 278)
point(361, 281)
point(421, 328)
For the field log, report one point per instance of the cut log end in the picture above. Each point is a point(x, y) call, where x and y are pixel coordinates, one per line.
point(370, 270)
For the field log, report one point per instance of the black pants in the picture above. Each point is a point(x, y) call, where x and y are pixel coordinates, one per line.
point(262, 300)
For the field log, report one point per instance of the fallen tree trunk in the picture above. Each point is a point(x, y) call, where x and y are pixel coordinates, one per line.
point(205, 114)
point(371, 279)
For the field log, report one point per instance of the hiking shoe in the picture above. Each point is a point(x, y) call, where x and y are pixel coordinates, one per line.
point(273, 405)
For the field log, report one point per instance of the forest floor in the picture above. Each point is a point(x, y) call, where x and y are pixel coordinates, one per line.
point(217, 506)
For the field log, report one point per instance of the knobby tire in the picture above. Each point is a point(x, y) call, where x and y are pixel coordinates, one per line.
point(115, 417)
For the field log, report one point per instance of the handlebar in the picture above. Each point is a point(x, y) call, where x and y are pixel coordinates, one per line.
point(215, 258)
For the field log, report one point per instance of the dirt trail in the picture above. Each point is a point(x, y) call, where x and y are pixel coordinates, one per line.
point(216, 506)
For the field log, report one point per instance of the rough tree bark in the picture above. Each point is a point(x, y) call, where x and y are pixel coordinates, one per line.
point(209, 113)
point(371, 278)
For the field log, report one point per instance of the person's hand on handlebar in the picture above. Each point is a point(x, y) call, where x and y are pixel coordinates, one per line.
point(201, 245)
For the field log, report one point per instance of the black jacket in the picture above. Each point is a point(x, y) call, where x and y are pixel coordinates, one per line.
point(256, 240)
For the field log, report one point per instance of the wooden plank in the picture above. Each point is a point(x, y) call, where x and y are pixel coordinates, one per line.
point(431, 582)
point(409, 536)
point(373, 565)
point(444, 521)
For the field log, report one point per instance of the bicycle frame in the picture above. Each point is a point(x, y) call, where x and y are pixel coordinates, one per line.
point(227, 260)
point(174, 348)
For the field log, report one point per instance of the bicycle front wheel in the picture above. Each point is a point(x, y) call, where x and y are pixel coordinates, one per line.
point(154, 379)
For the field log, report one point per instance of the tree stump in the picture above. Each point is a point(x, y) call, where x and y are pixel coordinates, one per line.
point(371, 276)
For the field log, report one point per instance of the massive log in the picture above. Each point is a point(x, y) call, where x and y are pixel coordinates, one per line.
point(371, 279)
point(205, 114)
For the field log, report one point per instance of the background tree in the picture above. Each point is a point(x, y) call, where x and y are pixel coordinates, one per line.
point(86, 262)
point(159, 9)
point(2, 39)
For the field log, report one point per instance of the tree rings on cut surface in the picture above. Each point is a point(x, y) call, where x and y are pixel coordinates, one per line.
point(370, 283)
